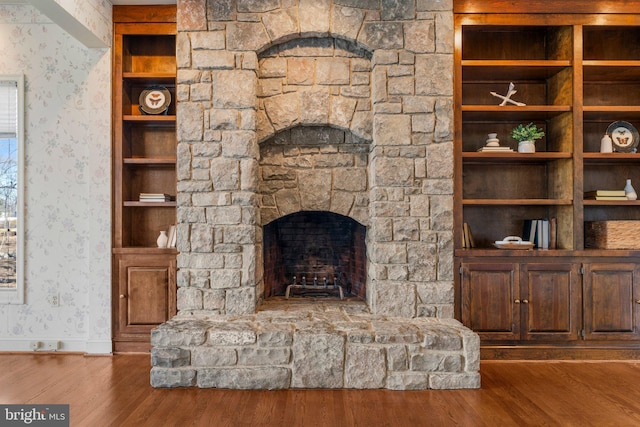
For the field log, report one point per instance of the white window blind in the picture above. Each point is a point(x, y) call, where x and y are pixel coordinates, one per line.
point(8, 109)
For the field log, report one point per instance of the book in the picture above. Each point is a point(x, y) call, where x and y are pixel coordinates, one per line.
point(607, 198)
point(499, 149)
point(529, 230)
point(154, 197)
point(553, 233)
point(545, 234)
point(605, 193)
point(171, 241)
point(467, 237)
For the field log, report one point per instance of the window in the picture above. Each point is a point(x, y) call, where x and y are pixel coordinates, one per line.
point(11, 182)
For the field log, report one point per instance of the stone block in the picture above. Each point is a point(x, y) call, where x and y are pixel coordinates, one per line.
point(234, 89)
point(254, 6)
point(382, 35)
point(245, 378)
point(362, 125)
point(213, 300)
point(394, 10)
point(251, 356)
point(172, 377)
point(231, 333)
point(395, 332)
point(434, 75)
point(214, 356)
point(395, 299)
point(436, 362)
point(192, 15)
point(283, 110)
point(314, 105)
point(346, 21)
point(314, 17)
point(189, 299)
point(281, 25)
point(350, 179)
point(392, 129)
point(191, 123)
point(451, 381)
point(275, 335)
point(420, 36)
point(332, 71)
point(172, 357)
point(318, 359)
point(225, 174)
point(213, 60)
point(241, 300)
point(365, 367)
point(225, 279)
point(397, 358)
point(390, 171)
point(250, 36)
point(408, 381)
point(176, 333)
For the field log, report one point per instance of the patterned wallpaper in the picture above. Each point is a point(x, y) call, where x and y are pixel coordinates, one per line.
point(67, 193)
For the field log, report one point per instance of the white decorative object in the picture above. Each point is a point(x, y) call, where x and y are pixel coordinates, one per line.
point(606, 145)
point(629, 191)
point(162, 239)
point(507, 98)
point(492, 140)
point(526, 147)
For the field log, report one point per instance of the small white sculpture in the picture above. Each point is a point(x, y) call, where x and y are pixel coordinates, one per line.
point(507, 98)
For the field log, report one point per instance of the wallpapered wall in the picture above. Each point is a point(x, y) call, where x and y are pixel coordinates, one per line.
point(67, 193)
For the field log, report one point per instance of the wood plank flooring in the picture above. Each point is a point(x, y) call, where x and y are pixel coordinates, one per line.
point(115, 391)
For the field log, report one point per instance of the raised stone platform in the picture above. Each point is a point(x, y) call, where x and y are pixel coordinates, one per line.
point(314, 344)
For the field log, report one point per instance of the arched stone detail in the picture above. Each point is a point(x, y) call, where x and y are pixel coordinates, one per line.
point(314, 169)
point(314, 82)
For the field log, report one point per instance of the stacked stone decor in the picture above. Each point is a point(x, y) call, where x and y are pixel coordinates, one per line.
point(340, 106)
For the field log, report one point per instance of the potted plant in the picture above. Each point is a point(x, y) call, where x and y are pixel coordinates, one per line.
point(526, 136)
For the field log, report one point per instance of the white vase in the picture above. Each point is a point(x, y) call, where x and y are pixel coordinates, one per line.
point(629, 191)
point(606, 145)
point(162, 239)
point(526, 147)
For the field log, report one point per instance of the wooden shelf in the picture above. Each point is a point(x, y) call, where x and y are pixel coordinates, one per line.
point(578, 71)
point(516, 202)
point(148, 118)
point(512, 157)
point(148, 161)
point(144, 161)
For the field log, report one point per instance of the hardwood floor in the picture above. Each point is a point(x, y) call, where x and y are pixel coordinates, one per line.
point(115, 391)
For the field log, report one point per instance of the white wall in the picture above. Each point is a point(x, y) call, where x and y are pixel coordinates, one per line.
point(67, 194)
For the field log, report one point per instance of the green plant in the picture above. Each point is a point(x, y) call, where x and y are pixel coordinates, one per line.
point(529, 132)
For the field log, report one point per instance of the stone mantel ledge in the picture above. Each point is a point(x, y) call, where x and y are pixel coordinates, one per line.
point(314, 345)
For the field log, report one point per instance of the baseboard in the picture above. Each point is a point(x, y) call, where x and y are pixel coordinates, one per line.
point(92, 347)
point(542, 352)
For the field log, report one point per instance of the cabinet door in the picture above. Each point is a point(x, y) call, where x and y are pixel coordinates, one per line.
point(489, 295)
point(611, 301)
point(551, 302)
point(146, 293)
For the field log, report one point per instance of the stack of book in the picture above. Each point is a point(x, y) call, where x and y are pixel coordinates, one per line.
point(467, 238)
point(172, 237)
point(605, 195)
point(154, 197)
point(494, 149)
point(541, 232)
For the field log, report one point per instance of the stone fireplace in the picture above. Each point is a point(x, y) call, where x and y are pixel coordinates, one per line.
point(315, 137)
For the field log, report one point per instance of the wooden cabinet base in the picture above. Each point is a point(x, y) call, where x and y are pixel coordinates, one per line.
point(542, 352)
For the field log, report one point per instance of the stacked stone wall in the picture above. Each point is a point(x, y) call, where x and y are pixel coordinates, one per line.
point(380, 71)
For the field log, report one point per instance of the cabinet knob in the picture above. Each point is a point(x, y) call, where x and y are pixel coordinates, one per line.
point(517, 301)
point(122, 296)
point(525, 301)
point(638, 301)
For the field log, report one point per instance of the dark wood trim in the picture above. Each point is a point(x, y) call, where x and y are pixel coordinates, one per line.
point(546, 6)
point(145, 14)
point(542, 352)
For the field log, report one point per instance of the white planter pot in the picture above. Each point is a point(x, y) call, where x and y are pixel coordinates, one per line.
point(526, 147)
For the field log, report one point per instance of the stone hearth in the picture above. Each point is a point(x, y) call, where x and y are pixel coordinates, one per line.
point(335, 106)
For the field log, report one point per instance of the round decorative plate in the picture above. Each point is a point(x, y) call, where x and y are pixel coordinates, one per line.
point(624, 136)
point(155, 100)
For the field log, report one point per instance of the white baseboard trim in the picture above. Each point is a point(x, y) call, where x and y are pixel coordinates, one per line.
point(65, 345)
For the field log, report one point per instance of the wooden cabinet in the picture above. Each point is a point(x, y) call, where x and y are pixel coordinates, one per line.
point(612, 301)
point(144, 298)
point(577, 71)
point(144, 161)
point(511, 301)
